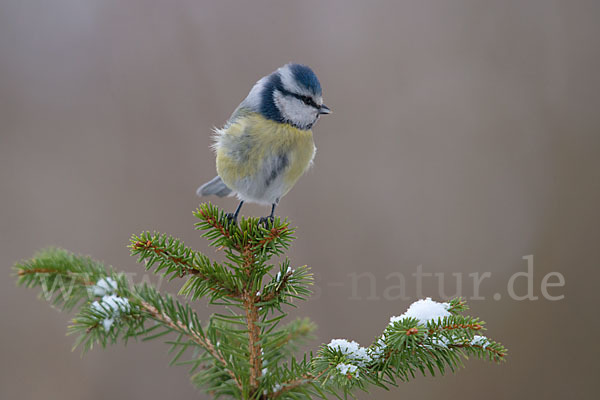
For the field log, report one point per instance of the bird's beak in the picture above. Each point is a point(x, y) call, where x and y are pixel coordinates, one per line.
point(324, 109)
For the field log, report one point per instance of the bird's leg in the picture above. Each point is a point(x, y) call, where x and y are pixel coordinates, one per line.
point(233, 217)
point(266, 220)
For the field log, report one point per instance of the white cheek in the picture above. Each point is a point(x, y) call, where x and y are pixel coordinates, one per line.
point(295, 111)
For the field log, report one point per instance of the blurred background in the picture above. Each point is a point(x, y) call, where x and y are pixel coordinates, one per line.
point(465, 136)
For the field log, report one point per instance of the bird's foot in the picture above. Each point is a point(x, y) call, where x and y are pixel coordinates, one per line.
point(231, 218)
point(266, 221)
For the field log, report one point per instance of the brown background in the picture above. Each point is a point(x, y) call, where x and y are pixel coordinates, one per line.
point(465, 135)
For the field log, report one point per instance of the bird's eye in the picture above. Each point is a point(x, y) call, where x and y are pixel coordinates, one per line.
point(309, 101)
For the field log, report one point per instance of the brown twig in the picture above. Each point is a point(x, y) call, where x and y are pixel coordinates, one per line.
point(83, 281)
point(304, 380)
point(202, 341)
point(270, 296)
point(148, 245)
point(464, 345)
point(188, 269)
point(474, 327)
point(215, 223)
point(23, 272)
point(275, 233)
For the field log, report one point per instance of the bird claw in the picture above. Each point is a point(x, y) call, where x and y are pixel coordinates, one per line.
point(266, 220)
point(231, 218)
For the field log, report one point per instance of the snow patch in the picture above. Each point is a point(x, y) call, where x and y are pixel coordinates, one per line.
point(424, 310)
point(352, 350)
point(104, 286)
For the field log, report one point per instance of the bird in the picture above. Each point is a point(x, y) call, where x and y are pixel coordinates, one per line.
point(267, 144)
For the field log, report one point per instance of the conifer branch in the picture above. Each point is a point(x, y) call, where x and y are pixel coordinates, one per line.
point(496, 354)
point(169, 253)
point(297, 331)
point(286, 285)
point(202, 341)
point(278, 289)
point(307, 379)
point(173, 259)
point(242, 353)
point(40, 272)
point(217, 227)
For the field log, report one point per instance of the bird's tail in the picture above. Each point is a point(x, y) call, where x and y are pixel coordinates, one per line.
point(214, 186)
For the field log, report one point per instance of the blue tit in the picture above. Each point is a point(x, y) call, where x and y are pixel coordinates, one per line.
point(267, 143)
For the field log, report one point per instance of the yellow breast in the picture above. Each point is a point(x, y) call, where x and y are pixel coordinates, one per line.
point(243, 146)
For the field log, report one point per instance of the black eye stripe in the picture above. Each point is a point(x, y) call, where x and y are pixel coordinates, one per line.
point(305, 99)
point(309, 101)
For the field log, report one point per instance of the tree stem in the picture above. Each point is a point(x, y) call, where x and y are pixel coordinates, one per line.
point(253, 340)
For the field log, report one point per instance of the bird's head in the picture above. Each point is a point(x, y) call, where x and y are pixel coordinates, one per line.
point(292, 94)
